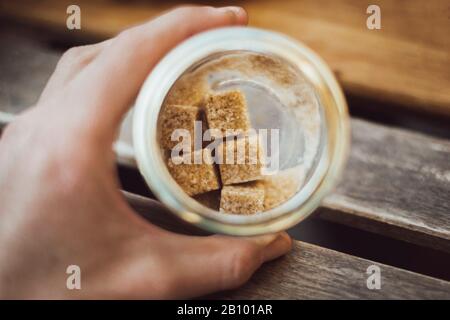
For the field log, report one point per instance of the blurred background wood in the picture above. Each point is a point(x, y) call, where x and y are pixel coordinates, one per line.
point(407, 61)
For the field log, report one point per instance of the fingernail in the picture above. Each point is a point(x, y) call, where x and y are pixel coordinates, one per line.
point(237, 12)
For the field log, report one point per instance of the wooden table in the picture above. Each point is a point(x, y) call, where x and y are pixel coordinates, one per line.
point(397, 182)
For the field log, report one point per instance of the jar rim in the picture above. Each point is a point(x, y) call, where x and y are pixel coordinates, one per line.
point(161, 80)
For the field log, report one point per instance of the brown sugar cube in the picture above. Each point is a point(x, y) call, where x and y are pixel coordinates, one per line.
point(246, 198)
point(189, 90)
point(227, 110)
point(240, 159)
point(194, 178)
point(177, 117)
point(282, 186)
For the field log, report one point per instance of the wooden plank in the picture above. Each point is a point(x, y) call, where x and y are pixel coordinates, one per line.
point(406, 62)
point(312, 272)
point(397, 183)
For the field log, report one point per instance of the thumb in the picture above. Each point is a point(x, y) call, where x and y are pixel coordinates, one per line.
point(197, 266)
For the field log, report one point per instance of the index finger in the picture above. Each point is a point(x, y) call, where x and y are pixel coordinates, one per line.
point(112, 81)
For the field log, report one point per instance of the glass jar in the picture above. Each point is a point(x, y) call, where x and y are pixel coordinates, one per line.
point(324, 165)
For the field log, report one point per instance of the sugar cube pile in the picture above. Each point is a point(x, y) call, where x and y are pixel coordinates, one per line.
point(235, 170)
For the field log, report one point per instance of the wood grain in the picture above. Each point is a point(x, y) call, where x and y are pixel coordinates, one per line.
point(312, 272)
point(397, 183)
point(406, 62)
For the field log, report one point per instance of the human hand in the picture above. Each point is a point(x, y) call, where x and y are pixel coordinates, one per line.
point(59, 192)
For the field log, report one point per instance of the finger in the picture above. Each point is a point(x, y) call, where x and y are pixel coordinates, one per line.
point(69, 65)
point(112, 81)
point(196, 266)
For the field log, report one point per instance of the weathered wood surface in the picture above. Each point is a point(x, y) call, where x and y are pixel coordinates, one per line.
point(396, 183)
point(312, 272)
point(406, 62)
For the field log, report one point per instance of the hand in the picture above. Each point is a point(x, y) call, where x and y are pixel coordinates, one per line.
point(59, 192)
